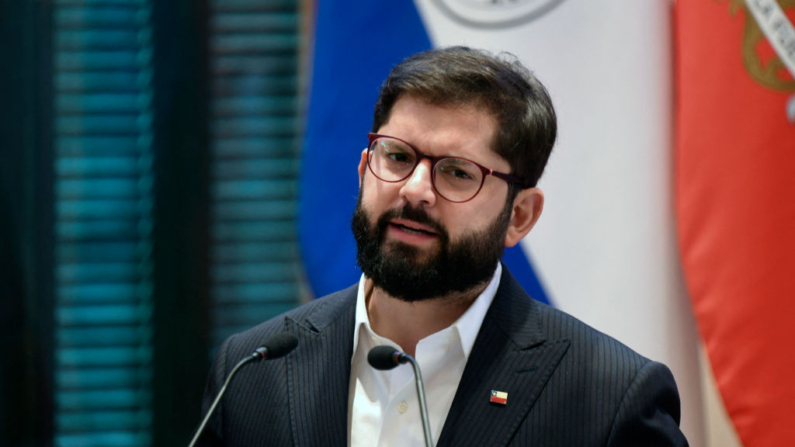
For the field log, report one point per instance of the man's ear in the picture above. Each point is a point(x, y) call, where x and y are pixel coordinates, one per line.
point(527, 207)
point(362, 166)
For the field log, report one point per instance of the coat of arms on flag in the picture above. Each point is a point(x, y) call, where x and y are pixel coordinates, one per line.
point(768, 47)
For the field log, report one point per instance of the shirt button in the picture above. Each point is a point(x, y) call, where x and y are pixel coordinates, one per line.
point(402, 406)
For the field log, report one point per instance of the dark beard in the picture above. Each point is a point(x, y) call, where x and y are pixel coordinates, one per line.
point(454, 268)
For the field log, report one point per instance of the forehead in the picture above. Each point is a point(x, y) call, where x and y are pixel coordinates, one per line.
point(464, 130)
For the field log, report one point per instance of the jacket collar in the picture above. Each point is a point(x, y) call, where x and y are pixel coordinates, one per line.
point(511, 355)
point(318, 372)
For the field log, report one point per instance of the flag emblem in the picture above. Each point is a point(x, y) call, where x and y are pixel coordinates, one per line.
point(499, 397)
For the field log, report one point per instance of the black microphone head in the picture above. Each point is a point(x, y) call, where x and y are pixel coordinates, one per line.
point(382, 357)
point(279, 345)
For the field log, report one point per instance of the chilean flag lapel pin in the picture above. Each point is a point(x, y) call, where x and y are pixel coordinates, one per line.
point(498, 397)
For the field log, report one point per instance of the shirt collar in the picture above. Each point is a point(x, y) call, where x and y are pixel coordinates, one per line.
point(467, 326)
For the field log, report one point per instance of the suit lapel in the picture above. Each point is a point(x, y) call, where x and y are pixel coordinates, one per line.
point(511, 355)
point(319, 371)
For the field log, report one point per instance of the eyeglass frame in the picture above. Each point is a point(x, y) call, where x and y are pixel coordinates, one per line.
point(508, 178)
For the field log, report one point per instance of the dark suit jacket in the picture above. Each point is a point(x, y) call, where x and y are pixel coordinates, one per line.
point(567, 384)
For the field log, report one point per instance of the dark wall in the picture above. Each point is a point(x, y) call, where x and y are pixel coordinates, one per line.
point(225, 94)
point(26, 222)
point(181, 218)
point(25, 225)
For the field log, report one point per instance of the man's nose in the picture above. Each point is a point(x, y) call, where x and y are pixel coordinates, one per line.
point(418, 189)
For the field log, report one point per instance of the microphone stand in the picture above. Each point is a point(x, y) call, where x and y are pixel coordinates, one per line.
point(273, 347)
point(426, 424)
point(386, 357)
point(206, 419)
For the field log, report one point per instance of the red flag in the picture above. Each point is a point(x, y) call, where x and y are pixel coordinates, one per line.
point(735, 201)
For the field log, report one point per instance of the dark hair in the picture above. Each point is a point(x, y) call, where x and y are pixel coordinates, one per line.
point(526, 121)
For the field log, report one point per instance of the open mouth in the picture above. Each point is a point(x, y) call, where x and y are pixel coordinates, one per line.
point(412, 230)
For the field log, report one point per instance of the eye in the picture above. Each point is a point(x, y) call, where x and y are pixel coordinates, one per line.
point(395, 152)
point(400, 157)
point(458, 174)
point(456, 170)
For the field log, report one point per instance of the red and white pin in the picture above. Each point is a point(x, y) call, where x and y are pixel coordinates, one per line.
point(498, 397)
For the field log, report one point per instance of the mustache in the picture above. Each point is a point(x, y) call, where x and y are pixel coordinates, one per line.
point(414, 214)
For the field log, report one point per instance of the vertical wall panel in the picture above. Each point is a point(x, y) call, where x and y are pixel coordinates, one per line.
point(255, 140)
point(103, 222)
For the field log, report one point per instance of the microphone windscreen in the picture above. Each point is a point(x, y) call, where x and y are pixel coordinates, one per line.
point(382, 357)
point(280, 344)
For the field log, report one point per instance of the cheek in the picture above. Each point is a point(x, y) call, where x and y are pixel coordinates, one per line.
point(370, 196)
point(476, 215)
point(376, 193)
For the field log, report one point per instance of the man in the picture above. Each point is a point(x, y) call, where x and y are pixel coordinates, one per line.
point(460, 138)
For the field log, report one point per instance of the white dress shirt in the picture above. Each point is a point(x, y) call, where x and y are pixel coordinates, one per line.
point(383, 409)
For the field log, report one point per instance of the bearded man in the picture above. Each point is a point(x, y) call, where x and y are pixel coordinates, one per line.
point(459, 140)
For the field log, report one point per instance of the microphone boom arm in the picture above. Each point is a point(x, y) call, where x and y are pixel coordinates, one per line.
point(273, 347)
point(210, 412)
point(426, 424)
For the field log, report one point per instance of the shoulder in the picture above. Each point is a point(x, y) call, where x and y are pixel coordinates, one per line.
point(586, 340)
point(546, 323)
point(318, 312)
point(634, 398)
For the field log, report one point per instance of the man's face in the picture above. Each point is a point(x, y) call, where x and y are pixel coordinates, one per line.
point(411, 242)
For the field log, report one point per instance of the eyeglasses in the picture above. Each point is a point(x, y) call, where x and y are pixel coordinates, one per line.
point(456, 179)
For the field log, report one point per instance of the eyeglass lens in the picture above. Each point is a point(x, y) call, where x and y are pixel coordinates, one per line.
point(455, 179)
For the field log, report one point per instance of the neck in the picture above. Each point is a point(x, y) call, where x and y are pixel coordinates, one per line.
point(406, 323)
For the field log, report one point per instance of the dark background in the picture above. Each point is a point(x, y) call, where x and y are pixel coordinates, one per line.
point(226, 114)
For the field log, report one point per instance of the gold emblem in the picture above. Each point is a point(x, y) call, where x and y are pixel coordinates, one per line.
point(768, 49)
point(768, 70)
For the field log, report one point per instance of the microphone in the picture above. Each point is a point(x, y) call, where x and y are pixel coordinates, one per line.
point(273, 347)
point(385, 358)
